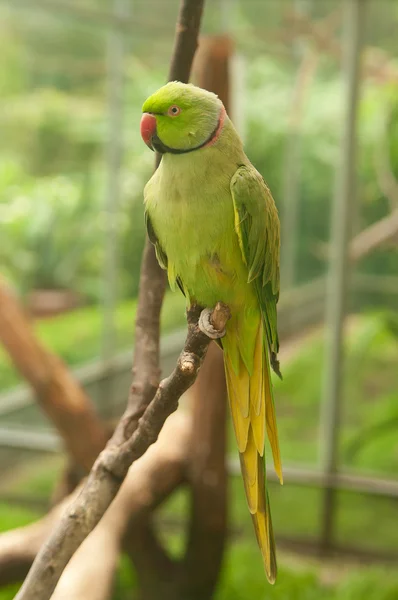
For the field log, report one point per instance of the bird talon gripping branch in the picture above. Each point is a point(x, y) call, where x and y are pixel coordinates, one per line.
point(206, 324)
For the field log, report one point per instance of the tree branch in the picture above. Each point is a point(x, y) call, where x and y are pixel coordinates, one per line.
point(148, 482)
point(90, 573)
point(58, 394)
point(113, 463)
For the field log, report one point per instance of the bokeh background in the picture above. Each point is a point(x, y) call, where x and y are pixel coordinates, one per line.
point(73, 79)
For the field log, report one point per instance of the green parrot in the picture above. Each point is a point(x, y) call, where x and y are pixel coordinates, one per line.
point(215, 228)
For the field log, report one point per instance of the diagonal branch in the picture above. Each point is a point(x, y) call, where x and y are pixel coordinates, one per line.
point(58, 394)
point(148, 483)
point(113, 463)
point(90, 573)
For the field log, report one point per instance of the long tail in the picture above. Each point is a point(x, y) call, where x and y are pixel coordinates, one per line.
point(252, 406)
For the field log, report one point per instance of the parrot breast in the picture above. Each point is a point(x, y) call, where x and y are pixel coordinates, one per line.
point(191, 210)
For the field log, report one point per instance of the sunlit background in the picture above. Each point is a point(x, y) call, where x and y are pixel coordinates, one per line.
point(73, 78)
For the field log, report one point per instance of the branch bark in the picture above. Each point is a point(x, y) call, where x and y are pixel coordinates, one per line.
point(147, 484)
point(112, 465)
point(90, 573)
point(58, 394)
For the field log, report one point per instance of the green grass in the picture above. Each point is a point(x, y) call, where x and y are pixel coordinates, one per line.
point(15, 516)
point(76, 336)
point(243, 580)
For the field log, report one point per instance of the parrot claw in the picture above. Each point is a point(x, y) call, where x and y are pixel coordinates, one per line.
point(210, 318)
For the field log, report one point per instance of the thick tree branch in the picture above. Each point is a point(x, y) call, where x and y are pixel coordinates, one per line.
point(185, 40)
point(148, 482)
point(90, 573)
point(58, 394)
point(113, 463)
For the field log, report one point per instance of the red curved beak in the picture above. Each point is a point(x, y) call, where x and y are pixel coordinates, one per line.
point(148, 128)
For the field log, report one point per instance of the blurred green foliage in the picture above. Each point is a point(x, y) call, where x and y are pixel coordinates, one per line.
point(54, 132)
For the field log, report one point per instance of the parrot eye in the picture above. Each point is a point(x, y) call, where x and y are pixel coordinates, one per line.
point(174, 110)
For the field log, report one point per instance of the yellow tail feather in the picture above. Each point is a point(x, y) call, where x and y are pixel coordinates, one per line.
point(248, 462)
point(253, 413)
point(263, 526)
point(241, 423)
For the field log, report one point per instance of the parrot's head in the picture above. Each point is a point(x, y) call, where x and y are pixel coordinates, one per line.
point(180, 118)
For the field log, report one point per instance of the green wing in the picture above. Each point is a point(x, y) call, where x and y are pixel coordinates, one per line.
point(257, 227)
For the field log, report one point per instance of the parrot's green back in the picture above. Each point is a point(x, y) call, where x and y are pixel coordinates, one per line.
point(216, 230)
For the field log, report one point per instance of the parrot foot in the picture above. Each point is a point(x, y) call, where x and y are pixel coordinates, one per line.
point(212, 321)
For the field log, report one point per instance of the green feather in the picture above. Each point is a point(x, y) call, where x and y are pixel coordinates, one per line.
point(257, 226)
